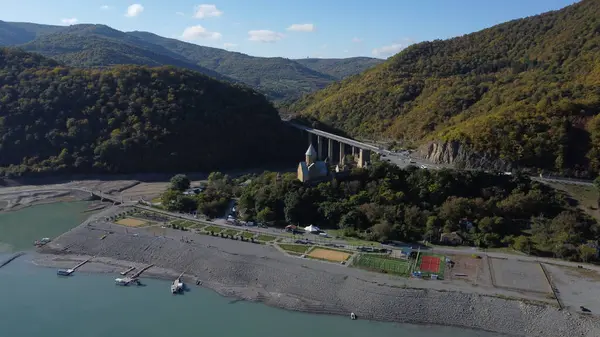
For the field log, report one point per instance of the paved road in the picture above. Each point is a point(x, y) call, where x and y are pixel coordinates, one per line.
point(320, 240)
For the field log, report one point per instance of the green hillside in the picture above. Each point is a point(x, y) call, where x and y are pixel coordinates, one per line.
point(101, 46)
point(14, 33)
point(88, 45)
point(526, 92)
point(130, 119)
point(340, 68)
point(277, 77)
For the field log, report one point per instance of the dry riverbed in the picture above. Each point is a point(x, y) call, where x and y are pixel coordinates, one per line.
point(261, 273)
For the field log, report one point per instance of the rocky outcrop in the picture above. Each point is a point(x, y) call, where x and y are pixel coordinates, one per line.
point(461, 156)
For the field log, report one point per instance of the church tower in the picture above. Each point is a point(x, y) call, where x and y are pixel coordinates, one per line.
point(311, 155)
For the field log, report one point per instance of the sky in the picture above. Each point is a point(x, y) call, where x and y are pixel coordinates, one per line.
point(287, 28)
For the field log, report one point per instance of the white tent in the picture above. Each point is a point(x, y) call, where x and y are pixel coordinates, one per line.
point(311, 229)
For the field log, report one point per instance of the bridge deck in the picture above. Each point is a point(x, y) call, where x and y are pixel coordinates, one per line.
point(340, 139)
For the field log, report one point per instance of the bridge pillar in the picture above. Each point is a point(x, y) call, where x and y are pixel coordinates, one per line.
point(342, 152)
point(364, 156)
point(320, 147)
point(330, 151)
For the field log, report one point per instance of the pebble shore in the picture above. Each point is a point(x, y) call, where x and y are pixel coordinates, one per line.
point(258, 272)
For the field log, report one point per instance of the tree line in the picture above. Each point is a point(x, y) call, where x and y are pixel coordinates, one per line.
point(384, 202)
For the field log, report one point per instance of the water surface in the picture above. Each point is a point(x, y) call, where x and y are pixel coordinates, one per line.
point(19, 229)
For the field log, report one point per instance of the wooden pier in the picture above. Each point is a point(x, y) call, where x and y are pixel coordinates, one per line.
point(69, 272)
point(127, 271)
point(139, 272)
point(81, 264)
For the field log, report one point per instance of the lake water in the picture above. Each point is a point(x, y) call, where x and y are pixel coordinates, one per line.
point(35, 302)
point(19, 229)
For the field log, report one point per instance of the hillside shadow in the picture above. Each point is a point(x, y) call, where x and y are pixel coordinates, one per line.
point(316, 124)
point(143, 177)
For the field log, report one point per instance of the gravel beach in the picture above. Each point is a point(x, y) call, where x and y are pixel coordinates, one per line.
point(258, 272)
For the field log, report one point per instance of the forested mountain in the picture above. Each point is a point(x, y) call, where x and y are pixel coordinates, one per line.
point(89, 45)
point(100, 46)
point(278, 77)
point(13, 33)
point(340, 68)
point(526, 93)
point(130, 119)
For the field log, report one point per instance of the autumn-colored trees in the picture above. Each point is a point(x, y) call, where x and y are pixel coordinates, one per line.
point(525, 91)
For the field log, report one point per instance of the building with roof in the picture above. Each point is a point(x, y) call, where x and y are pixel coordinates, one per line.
point(312, 169)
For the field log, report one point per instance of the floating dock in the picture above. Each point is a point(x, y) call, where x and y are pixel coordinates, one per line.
point(136, 275)
point(127, 271)
point(11, 259)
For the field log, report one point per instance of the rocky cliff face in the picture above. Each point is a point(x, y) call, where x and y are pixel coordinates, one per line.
point(461, 156)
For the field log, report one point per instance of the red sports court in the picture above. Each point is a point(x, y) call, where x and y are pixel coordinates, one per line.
point(430, 264)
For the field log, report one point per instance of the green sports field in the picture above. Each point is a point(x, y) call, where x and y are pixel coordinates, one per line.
point(383, 264)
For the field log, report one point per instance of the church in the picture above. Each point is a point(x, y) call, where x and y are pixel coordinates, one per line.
point(312, 169)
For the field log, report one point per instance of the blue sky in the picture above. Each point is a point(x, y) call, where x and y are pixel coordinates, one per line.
point(287, 28)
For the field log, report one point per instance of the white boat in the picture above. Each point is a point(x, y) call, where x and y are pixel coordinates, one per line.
point(121, 281)
point(352, 316)
point(126, 281)
point(177, 286)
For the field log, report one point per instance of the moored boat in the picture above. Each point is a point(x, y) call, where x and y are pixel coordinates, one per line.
point(41, 242)
point(64, 272)
point(176, 286)
point(126, 281)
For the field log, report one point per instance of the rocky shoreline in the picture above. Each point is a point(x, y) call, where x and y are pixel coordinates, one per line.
point(257, 272)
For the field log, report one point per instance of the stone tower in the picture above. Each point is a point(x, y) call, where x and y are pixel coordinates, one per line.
point(311, 155)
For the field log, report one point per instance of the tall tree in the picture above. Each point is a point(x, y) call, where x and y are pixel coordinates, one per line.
point(180, 182)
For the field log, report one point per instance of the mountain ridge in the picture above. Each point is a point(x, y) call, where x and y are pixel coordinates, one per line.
point(96, 45)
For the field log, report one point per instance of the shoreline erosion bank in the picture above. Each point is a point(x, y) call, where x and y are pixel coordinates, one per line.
point(260, 273)
point(18, 200)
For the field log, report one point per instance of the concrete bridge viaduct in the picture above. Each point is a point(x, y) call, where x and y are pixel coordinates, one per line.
point(327, 144)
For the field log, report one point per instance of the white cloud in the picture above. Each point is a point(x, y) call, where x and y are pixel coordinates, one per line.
point(180, 13)
point(265, 36)
point(105, 7)
point(357, 40)
point(302, 27)
point(392, 49)
point(207, 11)
point(346, 51)
point(134, 10)
point(70, 21)
point(229, 45)
point(198, 32)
